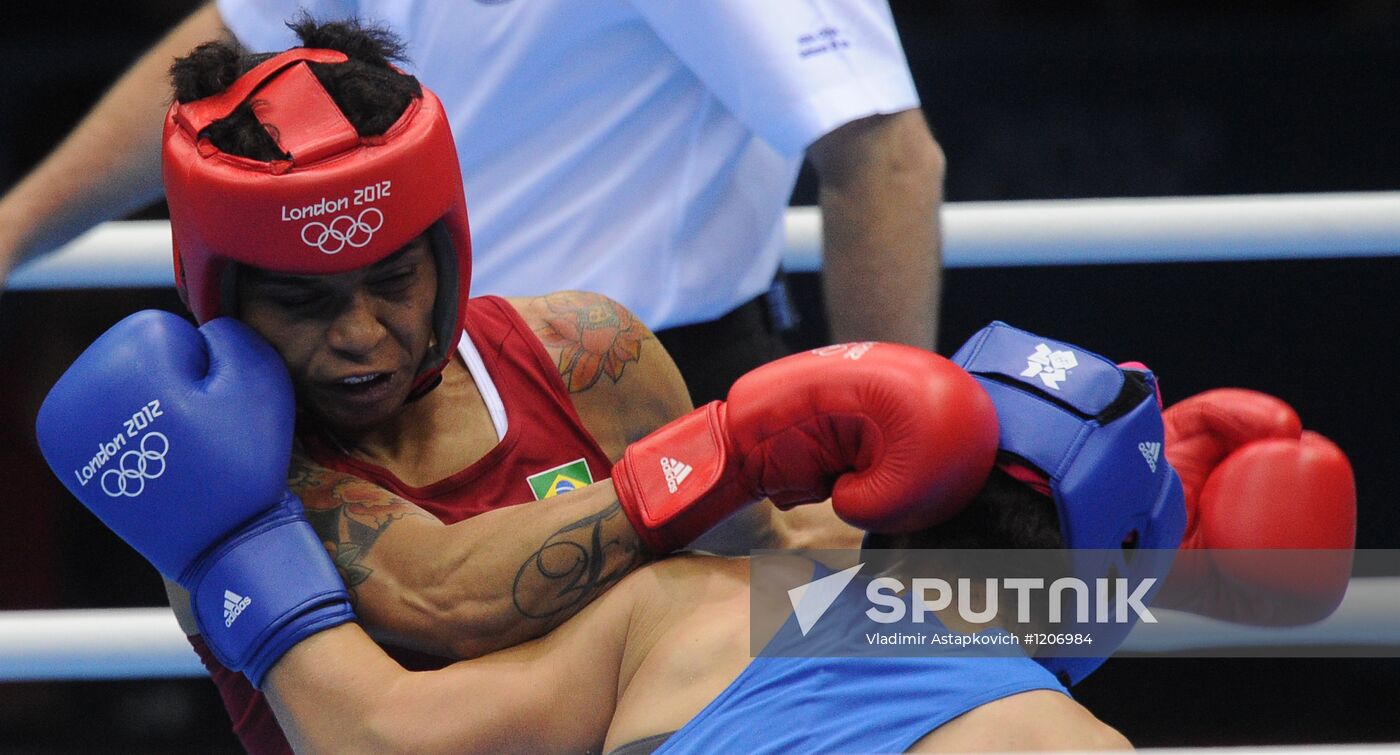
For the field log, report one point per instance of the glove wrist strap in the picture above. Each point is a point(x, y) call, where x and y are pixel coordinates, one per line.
point(265, 589)
point(680, 481)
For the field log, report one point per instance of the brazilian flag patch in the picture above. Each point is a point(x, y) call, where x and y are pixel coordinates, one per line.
point(561, 479)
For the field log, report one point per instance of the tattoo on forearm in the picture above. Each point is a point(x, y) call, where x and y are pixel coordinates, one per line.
point(598, 336)
point(349, 515)
point(574, 565)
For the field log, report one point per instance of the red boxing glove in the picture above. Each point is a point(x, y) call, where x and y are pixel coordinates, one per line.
point(1204, 429)
point(898, 438)
point(1255, 480)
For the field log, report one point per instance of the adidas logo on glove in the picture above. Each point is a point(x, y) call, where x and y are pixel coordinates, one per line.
point(675, 471)
point(233, 606)
point(1151, 452)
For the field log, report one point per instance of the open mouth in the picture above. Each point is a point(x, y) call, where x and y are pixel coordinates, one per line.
point(364, 380)
point(365, 388)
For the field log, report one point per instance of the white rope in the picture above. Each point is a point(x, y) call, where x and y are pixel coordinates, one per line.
point(111, 643)
point(113, 255)
point(1369, 616)
point(976, 234)
point(1166, 229)
point(146, 642)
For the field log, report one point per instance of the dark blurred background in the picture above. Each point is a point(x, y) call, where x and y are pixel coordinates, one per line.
point(1029, 101)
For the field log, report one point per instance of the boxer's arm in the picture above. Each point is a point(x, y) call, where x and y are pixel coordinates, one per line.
point(633, 388)
point(627, 395)
point(338, 692)
point(418, 583)
point(482, 584)
point(109, 165)
point(618, 376)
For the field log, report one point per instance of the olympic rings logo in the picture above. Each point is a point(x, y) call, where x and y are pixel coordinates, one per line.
point(343, 231)
point(135, 467)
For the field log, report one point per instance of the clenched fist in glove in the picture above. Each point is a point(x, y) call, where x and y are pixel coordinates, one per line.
point(178, 439)
point(1255, 480)
point(898, 438)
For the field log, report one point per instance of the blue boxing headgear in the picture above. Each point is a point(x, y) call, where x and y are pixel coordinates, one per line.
point(1095, 430)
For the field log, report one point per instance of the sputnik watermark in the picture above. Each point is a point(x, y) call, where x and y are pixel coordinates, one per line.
point(1046, 603)
point(1111, 601)
point(933, 594)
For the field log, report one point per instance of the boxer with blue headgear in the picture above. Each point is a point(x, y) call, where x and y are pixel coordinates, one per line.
point(1086, 434)
point(1092, 431)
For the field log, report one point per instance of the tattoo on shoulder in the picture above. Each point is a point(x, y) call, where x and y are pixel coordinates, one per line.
point(597, 336)
point(574, 565)
point(349, 515)
point(304, 475)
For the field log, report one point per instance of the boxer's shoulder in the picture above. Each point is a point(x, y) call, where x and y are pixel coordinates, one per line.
point(685, 573)
point(673, 589)
point(595, 341)
point(1033, 720)
point(618, 375)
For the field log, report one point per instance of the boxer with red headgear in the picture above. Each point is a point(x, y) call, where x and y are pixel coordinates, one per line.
point(315, 197)
point(332, 201)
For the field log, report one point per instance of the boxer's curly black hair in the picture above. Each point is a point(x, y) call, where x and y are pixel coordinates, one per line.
point(1005, 513)
point(368, 90)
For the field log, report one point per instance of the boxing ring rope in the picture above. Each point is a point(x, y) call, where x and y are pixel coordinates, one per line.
point(976, 234)
point(147, 643)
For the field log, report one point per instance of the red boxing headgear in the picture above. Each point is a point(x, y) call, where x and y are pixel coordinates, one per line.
point(341, 202)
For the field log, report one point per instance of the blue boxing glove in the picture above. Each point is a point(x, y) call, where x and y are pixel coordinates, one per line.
point(179, 440)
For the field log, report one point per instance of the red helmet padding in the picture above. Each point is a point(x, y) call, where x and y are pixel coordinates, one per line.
point(337, 204)
point(309, 126)
point(196, 116)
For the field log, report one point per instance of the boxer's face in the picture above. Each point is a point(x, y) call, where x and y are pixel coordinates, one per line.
point(353, 341)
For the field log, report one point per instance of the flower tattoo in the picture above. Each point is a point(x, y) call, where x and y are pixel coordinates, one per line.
point(598, 337)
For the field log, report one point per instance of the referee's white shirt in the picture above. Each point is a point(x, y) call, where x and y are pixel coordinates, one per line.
point(643, 149)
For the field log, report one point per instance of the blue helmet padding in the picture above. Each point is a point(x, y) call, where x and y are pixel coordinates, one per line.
point(1000, 349)
point(1112, 489)
point(1110, 481)
point(1036, 429)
